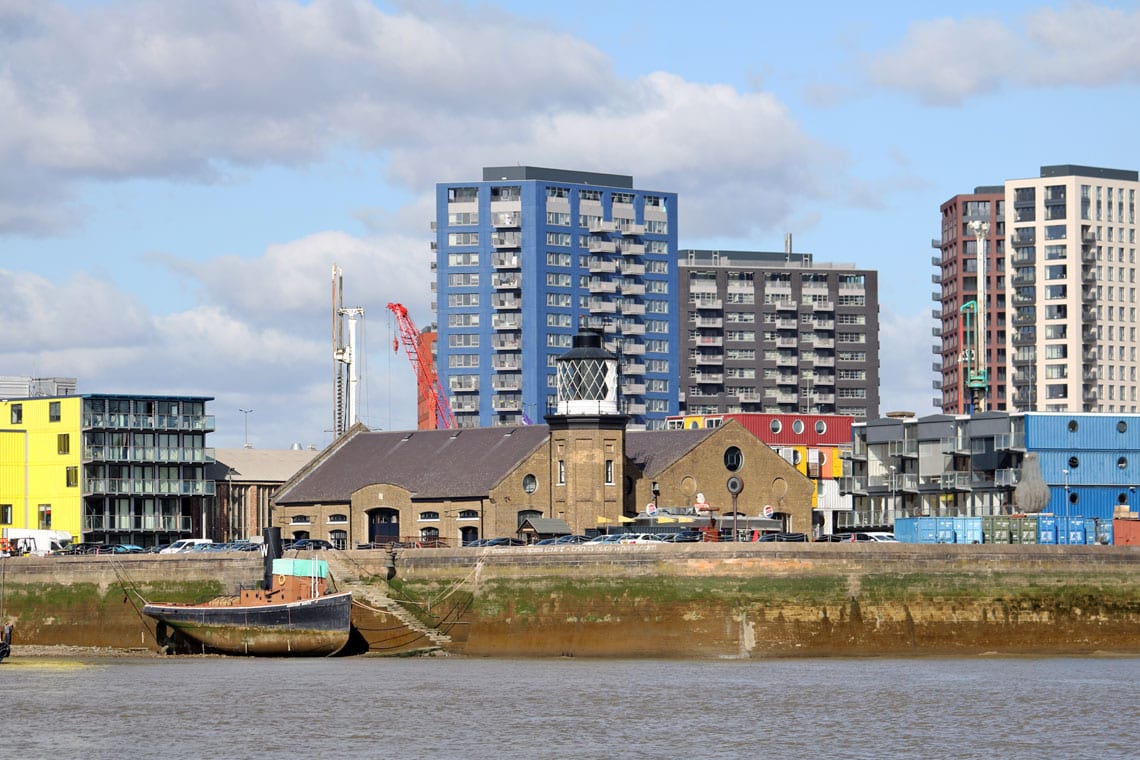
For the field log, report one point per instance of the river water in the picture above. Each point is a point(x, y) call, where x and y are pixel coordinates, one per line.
point(476, 709)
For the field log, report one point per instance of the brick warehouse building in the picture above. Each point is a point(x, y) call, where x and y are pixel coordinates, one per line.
point(584, 468)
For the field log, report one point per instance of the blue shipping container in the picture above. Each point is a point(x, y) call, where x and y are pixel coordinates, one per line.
point(968, 530)
point(1046, 529)
point(906, 530)
point(945, 530)
point(928, 530)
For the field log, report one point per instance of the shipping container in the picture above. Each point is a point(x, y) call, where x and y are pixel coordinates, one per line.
point(968, 530)
point(1046, 529)
point(1081, 432)
point(1126, 532)
point(1023, 529)
point(906, 530)
point(944, 528)
point(995, 529)
point(928, 530)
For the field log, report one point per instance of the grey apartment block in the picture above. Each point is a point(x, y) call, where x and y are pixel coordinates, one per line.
point(777, 332)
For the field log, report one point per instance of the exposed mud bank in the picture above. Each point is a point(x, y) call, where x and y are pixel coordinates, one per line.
point(754, 601)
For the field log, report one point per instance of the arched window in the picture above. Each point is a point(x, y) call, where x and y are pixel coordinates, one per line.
point(339, 538)
point(469, 514)
point(338, 518)
point(429, 515)
point(299, 520)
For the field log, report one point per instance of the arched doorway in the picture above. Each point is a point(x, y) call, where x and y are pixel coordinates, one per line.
point(383, 526)
point(468, 534)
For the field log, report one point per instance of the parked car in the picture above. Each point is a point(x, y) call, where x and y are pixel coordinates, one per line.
point(606, 538)
point(81, 548)
point(571, 539)
point(504, 541)
point(639, 538)
point(311, 544)
point(184, 545)
point(873, 535)
point(783, 537)
point(689, 535)
point(127, 549)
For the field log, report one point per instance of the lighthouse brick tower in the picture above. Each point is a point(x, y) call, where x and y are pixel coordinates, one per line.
point(587, 435)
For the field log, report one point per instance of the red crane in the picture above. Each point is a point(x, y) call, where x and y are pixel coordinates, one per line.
point(427, 381)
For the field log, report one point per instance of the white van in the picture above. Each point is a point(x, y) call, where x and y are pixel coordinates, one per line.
point(185, 545)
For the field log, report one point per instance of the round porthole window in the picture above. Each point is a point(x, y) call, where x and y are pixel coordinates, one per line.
point(1122, 427)
point(797, 457)
point(798, 427)
point(1074, 463)
point(530, 483)
point(1073, 426)
point(820, 427)
point(775, 426)
point(733, 458)
point(1122, 463)
point(1074, 497)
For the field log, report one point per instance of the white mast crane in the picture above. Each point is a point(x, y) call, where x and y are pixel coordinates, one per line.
point(978, 370)
point(346, 380)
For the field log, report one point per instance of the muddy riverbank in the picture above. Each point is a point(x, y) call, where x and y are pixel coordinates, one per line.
point(740, 601)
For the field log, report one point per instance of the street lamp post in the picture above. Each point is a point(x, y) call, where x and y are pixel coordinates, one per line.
point(246, 412)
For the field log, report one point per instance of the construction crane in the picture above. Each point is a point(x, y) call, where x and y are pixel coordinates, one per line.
point(346, 380)
point(427, 381)
point(977, 368)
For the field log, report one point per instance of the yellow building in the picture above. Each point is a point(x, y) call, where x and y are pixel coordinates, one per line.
point(105, 468)
point(39, 464)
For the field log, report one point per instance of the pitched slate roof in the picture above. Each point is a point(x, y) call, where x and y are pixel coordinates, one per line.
point(654, 450)
point(433, 464)
point(547, 526)
point(257, 465)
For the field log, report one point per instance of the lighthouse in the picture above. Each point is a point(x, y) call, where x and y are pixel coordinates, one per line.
point(587, 436)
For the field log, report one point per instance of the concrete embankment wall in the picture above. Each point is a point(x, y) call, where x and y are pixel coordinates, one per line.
point(95, 601)
point(696, 600)
point(771, 600)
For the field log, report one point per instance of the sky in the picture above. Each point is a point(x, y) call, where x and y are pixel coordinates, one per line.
point(178, 177)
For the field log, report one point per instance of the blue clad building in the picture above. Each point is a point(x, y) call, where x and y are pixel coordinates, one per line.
point(526, 257)
point(1090, 461)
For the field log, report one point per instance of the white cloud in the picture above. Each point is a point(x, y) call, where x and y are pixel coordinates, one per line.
point(259, 338)
point(946, 61)
point(905, 372)
point(168, 90)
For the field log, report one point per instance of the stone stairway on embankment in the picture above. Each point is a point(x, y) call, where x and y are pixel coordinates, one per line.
point(372, 598)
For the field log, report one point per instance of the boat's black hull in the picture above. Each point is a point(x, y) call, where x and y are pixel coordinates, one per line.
point(310, 628)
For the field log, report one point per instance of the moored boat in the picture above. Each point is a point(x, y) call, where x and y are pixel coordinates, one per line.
point(293, 614)
point(5, 641)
